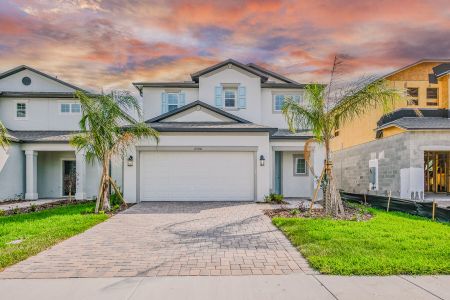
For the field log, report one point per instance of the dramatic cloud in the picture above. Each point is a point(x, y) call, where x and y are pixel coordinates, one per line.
point(111, 43)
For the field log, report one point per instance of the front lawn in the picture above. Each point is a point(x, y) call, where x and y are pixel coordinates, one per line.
point(40, 230)
point(389, 243)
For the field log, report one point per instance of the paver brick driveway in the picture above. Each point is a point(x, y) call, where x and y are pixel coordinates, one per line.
point(171, 238)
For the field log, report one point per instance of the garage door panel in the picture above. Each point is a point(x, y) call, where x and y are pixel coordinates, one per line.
point(197, 176)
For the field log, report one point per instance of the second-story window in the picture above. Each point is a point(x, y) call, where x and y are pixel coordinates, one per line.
point(21, 110)
point(432, 96)
point(279, 100)
point(70, 108)
point(229, 97)
point(172, 101)
point(413, 96)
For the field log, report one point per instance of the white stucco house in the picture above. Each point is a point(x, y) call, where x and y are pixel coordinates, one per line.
point(222, 138)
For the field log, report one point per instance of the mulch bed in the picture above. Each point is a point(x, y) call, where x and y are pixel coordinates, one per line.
point(351, 213)
point(39, 207)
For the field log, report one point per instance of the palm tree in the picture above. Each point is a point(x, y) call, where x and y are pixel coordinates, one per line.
point(107, 131)
point(3, 136)
point(326, 111)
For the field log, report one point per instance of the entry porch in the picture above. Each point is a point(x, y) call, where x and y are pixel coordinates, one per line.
point(54, 171)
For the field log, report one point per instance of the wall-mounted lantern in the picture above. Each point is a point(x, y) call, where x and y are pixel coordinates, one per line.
point(262, 160)
point(130, 161)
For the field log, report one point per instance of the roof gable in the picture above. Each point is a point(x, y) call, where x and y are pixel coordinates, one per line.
point(11, 81)
point(195, 76)
point(200, 110)
point(437, 61)
point(271, 73)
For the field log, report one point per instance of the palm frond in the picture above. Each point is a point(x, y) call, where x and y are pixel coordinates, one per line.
point(357, 102)
point(4, 141)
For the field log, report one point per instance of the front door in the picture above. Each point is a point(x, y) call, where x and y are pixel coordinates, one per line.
point(69, 178)
point(436, 171)
point(278, 188)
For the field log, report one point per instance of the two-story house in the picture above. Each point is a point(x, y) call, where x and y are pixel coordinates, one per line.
point(41, 113)
point(406, 152)
point(223, 137)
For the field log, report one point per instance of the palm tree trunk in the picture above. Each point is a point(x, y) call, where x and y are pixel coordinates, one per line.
point(105, 203)
point(332, 198)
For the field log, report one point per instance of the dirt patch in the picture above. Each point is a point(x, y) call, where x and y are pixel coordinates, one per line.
point(351, 213)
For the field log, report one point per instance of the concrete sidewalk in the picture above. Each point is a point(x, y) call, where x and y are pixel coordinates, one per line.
point(294, 286)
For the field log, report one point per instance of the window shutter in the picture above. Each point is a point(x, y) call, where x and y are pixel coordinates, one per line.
point(242, 97)
point(218, 96)
point(182, 100)
point(164, 107)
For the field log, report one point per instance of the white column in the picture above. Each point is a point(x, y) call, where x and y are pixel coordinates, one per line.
point(31, 175)
point(81, 175)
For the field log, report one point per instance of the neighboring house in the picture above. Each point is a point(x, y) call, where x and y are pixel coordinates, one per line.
point(223, 137)
point(406, 152)
point(41, 113)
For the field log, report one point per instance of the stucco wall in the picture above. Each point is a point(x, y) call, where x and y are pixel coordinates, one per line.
point(42, 114)
point(294, 185)
point(12, 172)
point(49, 173)
point(39, 83)
point(269, 117)
point(152, 99)
point(234, 75)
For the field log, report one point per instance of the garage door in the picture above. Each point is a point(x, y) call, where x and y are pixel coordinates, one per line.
point(196, 176)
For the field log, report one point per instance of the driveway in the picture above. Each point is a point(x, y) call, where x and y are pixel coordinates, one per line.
point(171, 238)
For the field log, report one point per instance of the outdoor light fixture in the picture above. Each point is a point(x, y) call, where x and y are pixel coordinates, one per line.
point(262, 160)
point(130, 161)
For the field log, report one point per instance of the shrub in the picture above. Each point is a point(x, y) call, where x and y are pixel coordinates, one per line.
point(294, 212)
point(274, 198)
point(115, 200)
point(33, 207)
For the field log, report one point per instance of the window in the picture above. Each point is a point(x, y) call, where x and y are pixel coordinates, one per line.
point(76, 108)
point(432, 94)
point(172, 101)
point(281, 98)
point(229, 97)
point(21, 110)
point(413, 96)
point(68, 108)
point(300, 165)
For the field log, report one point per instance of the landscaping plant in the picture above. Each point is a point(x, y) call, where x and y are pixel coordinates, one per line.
point(107, 131)
point(3, 136)
point(328, 107)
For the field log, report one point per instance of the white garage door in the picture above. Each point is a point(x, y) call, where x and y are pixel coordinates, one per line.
point(196, 176)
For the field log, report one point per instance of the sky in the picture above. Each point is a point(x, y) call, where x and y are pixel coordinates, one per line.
point(108, 44)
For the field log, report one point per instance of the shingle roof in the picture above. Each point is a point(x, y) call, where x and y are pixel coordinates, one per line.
point(37, 94)
point(41, 136)
point(286, 134)
point(196, 75)
point(441, 69)
point(271, 73)
point(208, 127)
point(419, 123)
point(193, 104)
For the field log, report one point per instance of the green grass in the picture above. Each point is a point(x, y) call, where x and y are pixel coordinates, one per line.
point(389, 243)
point(40, 230)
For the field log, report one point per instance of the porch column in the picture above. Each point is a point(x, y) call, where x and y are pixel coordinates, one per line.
point(81, 175)
point(31, 175)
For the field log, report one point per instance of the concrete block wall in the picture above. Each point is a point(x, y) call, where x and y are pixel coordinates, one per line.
point(351, 165)
point(396, 154)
